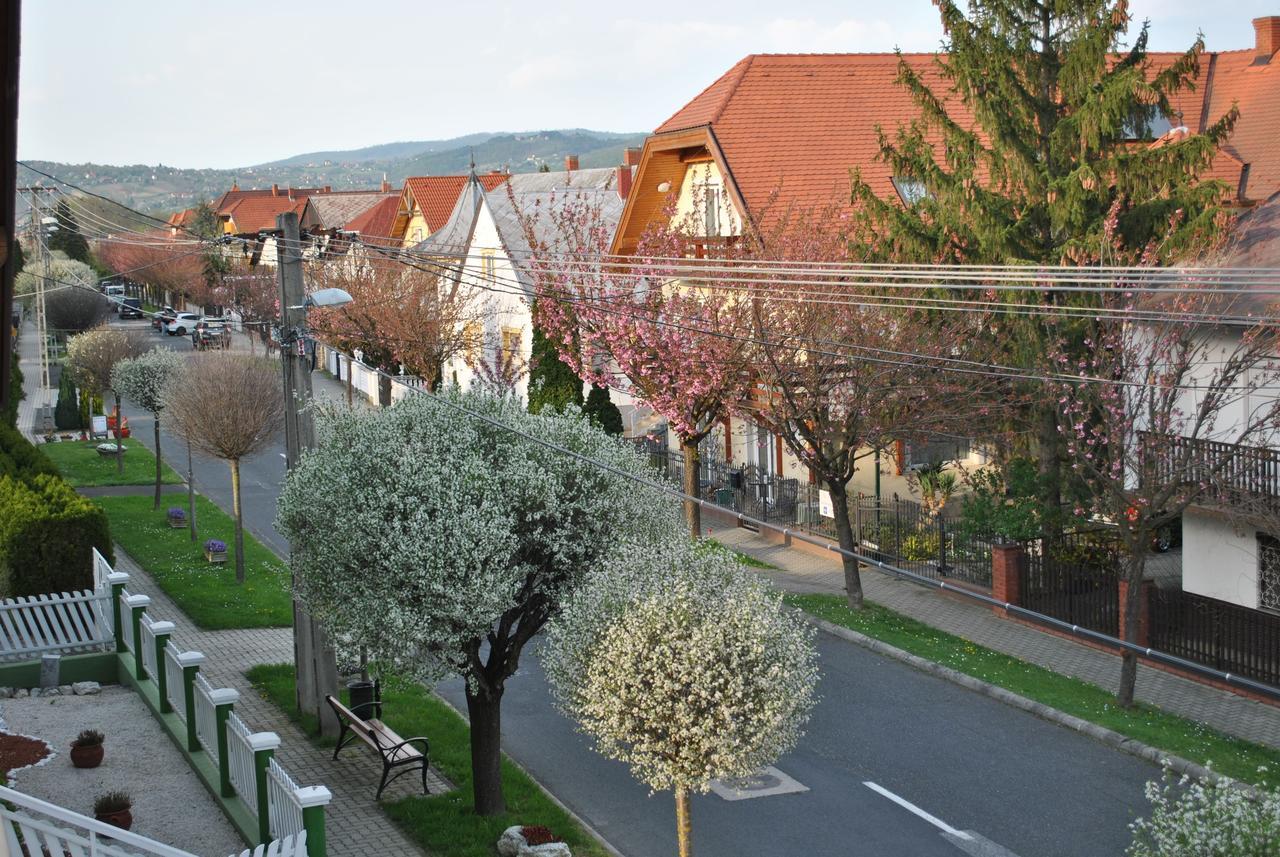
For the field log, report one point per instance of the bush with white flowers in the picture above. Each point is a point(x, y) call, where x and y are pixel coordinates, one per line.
point(442, 543)
point(1195, 819)
point(684, 666)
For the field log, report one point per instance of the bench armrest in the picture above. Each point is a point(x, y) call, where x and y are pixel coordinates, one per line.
point(426, 745)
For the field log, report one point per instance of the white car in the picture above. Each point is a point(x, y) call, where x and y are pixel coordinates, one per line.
point(182, 324)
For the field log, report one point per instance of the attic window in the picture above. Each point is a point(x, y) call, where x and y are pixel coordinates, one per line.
point(1139, 127)
point(909, 189)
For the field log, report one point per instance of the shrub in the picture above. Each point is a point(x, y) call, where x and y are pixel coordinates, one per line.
point(89, 738)
point(66, 415)
point(46, 536)
point(601, 410)
point(112, 802)
point(537, 834)
point(9, 417)
point(19, 459)
point(919, 547)
point(1194, 819)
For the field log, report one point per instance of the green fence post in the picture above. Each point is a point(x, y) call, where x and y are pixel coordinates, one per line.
point(137, 605)
point(264, 746)
point(117, 580)
point(224, 699)
point(162, 630)
point(313, 800)
point(190, 663)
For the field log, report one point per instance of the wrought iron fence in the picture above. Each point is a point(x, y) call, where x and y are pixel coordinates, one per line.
point(1075, 577)
point(1224, 636)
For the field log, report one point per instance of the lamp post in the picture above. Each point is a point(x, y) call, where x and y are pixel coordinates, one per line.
point(314, 662)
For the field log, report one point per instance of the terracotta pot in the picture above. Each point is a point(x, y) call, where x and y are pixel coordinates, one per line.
point(122, 819)
point(86, 757)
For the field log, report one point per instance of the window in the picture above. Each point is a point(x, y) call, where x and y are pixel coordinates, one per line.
point(1268, 573)
point(486, 265)
point(910, 190)
point(936, 449)
point(711, 212)
point(473, 338)
point(1139, 127)
point(510, 354)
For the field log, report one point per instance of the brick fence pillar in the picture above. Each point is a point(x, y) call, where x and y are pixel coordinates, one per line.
point(1143, 637)
point(1008, 565)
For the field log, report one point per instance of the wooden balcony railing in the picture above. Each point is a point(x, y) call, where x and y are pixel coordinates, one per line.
point(1227, 474)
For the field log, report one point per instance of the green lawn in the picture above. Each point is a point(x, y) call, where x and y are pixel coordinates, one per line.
point(207, 593)
point(746, 558)
point(82, 466)
point(444, 825)
point(1177, 735)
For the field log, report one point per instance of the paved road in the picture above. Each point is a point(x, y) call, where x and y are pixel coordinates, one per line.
point(1015, 785)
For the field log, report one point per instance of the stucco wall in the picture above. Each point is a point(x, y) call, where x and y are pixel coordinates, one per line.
point(1218, 560)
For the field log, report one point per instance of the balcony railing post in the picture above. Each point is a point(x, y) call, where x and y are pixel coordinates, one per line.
point(162, 630)
point(137, 605)
point(190, 663)
point(264, 746)
point(224, 700)
point(117, 580)
point(313, 800)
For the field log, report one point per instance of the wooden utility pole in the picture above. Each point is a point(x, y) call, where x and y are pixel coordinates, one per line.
point(10, 32)
point(313, 656)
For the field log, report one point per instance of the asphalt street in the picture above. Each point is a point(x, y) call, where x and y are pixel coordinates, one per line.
point(896, 763)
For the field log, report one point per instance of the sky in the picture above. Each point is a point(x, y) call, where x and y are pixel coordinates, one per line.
point(233, 84)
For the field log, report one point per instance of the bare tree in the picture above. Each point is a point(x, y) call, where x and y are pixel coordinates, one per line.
point(92, 357)
point(228, 406)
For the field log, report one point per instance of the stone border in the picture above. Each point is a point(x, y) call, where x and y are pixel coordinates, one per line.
point(1110, 737)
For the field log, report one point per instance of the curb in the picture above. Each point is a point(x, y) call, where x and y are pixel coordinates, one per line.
point(1110, 737)
point(581, 822)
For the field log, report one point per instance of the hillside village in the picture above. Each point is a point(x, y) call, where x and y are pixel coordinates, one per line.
point(879, 456)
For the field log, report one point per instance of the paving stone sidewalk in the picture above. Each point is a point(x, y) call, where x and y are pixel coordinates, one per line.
point(797, 570)
point(355, 824)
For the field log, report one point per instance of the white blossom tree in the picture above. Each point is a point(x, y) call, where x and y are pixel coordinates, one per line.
point(436, 537)
point(1198, 819)
point(685, 667)
point(143, 380)
point(92, 357)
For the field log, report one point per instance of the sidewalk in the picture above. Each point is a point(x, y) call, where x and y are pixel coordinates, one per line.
point(799, 571)
point(28, 357)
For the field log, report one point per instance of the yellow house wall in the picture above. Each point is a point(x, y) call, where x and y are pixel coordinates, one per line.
point(706, 174)
point(417, 229)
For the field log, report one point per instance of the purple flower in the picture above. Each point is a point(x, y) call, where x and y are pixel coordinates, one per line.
point(177, 513)
point(215, 546)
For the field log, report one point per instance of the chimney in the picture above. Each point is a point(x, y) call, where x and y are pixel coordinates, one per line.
point(570, 163)
point(631, 156)
point(1267, 38)
point(328, 188)
point(386, 186)
point(275, 190)
point(623, 178)
point(235, 186)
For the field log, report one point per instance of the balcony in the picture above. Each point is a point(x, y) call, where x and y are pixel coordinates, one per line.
point(1241, 478)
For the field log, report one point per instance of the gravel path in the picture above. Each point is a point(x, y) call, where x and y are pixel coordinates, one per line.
point(169, 803)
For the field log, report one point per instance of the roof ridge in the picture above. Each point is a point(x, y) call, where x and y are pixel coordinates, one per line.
point(728, 96)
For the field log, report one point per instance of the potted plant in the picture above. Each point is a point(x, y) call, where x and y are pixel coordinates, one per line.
point(177, 517)
point(86, 749)
point(114, 808)
point(215, 550)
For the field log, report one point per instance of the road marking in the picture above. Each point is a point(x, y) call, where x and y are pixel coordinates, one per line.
point(912, 808)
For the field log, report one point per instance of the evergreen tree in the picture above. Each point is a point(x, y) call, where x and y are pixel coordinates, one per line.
point(1035, 150)
point(67, 237)
point(66, 414)
point(552, 383)
point(601, 410)
point(19, 260)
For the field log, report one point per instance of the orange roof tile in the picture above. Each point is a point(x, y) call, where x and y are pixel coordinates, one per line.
point(257, 213)
point(437, 195)
point(375, 225)
point(229, 198)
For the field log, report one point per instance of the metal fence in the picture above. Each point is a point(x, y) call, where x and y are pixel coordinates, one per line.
point(1075, 577)
point(1225, 636)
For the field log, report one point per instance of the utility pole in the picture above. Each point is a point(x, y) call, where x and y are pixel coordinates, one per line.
point(10, 36)
point(39, 241)
point(314, 661)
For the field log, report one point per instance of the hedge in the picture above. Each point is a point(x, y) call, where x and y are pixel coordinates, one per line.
point(21, 460)
point(9, 417)
point(47, 532)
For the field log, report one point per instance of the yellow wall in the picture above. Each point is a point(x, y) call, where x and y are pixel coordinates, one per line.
point(417, 230)
point(706, 175)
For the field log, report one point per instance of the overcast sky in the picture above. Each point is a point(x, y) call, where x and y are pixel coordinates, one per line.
point(233, 84)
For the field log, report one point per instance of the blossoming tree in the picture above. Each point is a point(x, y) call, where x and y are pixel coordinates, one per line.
point(438, 535)
point(144, 380)
point(685, 667)
point(92, 356)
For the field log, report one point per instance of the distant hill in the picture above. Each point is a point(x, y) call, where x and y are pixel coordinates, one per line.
point(159, 189)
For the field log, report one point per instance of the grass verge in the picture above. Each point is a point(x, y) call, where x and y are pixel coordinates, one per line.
point(746, 558)
point(82, 466)
point(445, 825)
point(206, 592)
point(1233, 757)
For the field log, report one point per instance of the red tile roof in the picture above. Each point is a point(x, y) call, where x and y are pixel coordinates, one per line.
point(437, 195)
point(256, 213)
point(797, 123)
point(231, 197)
point(375, 224)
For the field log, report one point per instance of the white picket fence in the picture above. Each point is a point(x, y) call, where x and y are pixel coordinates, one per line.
point(173, 680)
point(206, 717)
point(240, 759)
point(286, 813)
point(65, 623)
point(33, 826)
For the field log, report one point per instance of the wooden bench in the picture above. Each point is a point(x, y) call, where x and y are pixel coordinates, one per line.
point(396, 752)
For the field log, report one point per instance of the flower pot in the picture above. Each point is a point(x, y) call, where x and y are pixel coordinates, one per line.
point(121, 818)
point(215, 556)
point(86, 757)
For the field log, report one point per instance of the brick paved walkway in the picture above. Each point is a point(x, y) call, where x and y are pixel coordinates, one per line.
point(355, 824)
point(800, 571)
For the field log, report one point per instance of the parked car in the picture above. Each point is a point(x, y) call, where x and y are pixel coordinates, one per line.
point(131, 308)
point(211, 335)
point(160, 321)
point(181, 324)
point(200, 325)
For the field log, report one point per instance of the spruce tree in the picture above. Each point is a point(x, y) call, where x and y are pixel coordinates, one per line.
point(19, 260)
point(67, 237)
point(552, 383)
point(1035, 150)
point(601, 410)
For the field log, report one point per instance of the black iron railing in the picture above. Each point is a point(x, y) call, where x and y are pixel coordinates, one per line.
point(1224, 636)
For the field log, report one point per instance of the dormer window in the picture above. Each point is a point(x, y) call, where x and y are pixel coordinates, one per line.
point(911, 190)
point(1146, 128)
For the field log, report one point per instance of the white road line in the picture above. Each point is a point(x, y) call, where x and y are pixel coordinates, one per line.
point(912, 808)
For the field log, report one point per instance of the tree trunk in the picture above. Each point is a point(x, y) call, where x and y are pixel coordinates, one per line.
point(845, 536)
point(156, 425)
point(692, 511)
point(684, 824)
point(1134, 570)
point(485, 713)
point(235, 505)
point(119, 430)
point(191, 494)
point(384, 390)
point(1048, 466)
point(348, 382)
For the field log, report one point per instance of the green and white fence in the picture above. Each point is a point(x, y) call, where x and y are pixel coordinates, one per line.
point(248, 771)
point(66, 623)
point(32, 826)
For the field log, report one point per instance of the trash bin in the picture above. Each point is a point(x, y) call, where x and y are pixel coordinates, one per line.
point(363, 698)
point(724, 497)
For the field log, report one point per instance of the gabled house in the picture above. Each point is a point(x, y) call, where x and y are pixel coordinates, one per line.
point(426, 202)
